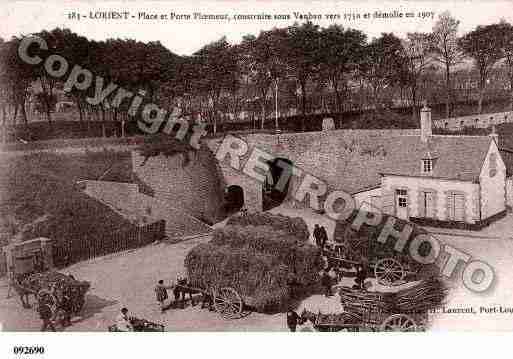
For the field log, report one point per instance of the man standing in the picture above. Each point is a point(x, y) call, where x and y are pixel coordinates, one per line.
point(45, 313)
point(67, 309)
point(317, 235)
point(292, 320)
point(361, 275)
point(161, 294)
point(326, 283)
point(324, 237)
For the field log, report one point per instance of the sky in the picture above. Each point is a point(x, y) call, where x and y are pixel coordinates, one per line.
point(185, 36)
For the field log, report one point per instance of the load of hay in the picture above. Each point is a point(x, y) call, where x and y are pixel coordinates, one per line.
point(295, 226)
point(267, 267)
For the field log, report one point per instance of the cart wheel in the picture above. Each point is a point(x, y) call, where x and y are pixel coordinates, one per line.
point(228, 303)
point(399, 323)
point(389, 272)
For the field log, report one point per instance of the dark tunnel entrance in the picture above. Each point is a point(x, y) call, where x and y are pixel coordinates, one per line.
point(233, 199)
point(274, 189)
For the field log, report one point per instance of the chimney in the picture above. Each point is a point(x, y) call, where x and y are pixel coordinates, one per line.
point(425, 123)
point(494, 135)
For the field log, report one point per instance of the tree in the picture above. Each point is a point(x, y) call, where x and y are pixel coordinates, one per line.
point(416, 53)
point(444, 40)
point(16, 78)
point(507, 48)
point(301, 53)
point(484, 46)
point(381, 65)
point(261, 62)
point(341, 50)
point(217, 71)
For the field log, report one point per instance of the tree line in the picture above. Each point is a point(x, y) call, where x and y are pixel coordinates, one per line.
point(310, 68)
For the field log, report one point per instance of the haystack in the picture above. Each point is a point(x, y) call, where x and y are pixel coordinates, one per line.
point(261, 263)
point(295, 226)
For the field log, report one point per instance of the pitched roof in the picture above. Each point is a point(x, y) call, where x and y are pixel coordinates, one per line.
point(357, 165)
point(456, 157)
point(353, 160)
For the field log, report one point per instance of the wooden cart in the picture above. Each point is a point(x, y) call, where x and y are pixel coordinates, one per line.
point(225, 300)
point(368, 311)
point(398, 322)
point(389, 267)
point(140, 325)
point(51, 287)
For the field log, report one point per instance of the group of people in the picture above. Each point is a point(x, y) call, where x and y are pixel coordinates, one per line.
point(50, 312)
point(62, 311)
point(180, 291)
point(321, 236)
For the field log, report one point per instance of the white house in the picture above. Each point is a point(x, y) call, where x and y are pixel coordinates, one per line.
point(441, 180)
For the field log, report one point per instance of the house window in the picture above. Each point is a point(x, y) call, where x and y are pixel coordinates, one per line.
point(427, 165)
point(401, 197)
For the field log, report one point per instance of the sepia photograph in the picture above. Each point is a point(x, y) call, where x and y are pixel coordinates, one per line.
point(255, 166)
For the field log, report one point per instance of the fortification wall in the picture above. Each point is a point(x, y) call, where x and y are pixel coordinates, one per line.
point(193, 186)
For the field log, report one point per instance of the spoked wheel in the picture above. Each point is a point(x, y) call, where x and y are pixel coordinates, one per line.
point(399, 323)
point(228, 303)
point(389, 272)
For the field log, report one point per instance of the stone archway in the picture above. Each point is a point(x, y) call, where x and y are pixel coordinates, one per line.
point(271, 195)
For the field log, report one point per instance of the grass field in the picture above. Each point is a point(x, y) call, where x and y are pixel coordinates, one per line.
point(40, 192)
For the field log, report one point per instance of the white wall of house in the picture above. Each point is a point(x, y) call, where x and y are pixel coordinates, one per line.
point(493, 183)
point(509, 191)
point(441, 189)
point(369, 200)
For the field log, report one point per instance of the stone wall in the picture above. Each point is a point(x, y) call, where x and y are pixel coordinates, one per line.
point(119, 196)
point(193, 186)
point(479, 121)
point(325, 155)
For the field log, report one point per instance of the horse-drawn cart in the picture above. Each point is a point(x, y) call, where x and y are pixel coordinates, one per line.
point(372, 322)
point(225, 300)
point(51, 287)
point(405, 310)
point(390, 268)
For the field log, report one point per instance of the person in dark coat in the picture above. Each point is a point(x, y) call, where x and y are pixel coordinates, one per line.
point(207, 300)
point(67, 310)
point(161, 294)
point(324, 237)
point(361, 275)
point(45, 313)
point(293, 319)
point(326, 283)
point(317, 235)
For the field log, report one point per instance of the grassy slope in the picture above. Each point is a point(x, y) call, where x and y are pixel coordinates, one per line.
point(45, 185)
